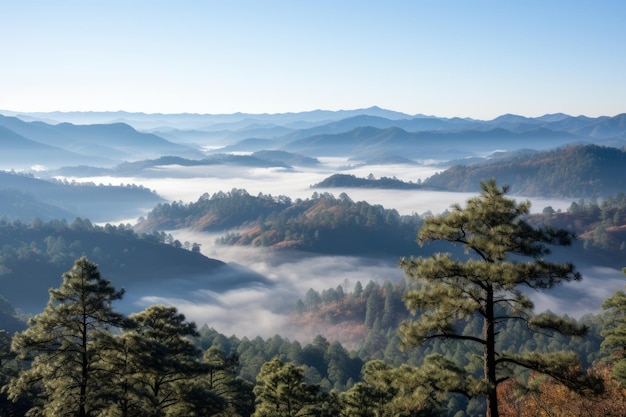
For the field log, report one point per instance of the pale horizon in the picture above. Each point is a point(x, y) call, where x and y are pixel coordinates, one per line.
point(25, 112)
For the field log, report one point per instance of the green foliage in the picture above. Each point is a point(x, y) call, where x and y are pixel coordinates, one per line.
point(600, 225)
point(74, 363)
point(8, 370)
point(61, 343)
point(220, 379)
point(282, 392)
point(422, 381)
point(614, 332)
point(486, 284)
point(163, 355)
point(403, 391)
point(213, 213)
point(31, 253)
point(322, 223)
point(351, 181)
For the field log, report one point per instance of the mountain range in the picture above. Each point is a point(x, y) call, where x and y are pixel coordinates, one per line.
point(358, 134)
point(27, 144)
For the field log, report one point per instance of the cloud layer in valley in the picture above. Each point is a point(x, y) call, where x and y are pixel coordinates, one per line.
point(262, 309)
point(187, 184)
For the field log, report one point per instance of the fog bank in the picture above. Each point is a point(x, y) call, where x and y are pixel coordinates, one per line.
point(263, 311)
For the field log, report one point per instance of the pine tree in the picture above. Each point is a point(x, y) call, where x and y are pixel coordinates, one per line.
point(122, 393)
point(220, 379)
point(163, 356)
point(358, 289)
point(503, 255)
point(614, 331)
point(403, 391)
point(282, 392)
point(60, 342)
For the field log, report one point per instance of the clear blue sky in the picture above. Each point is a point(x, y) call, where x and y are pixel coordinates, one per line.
point(464, 58)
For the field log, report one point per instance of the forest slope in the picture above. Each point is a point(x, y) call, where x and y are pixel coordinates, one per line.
point(29, 197)
point(34, 256)
point(99, 142)
point(339, 226)
point(572, 171)
point(323, 223)
point(351, 181)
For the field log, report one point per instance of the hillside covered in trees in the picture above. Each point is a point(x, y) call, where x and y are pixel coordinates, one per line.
point(337, 225)
point(368, 357)
point(322, 223)
point(364, 313)
point(34, 255)
point(571, 171)
point(25, 197)
point(346, 180)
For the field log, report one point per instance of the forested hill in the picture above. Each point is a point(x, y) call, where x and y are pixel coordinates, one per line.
point(337, 225)
point(573, 171)
point(25, 197)
point(347, 180)
point(323, 223)
point(33, 257)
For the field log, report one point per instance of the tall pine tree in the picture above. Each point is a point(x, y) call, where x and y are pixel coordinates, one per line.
point(503, 254)
point(60, 342)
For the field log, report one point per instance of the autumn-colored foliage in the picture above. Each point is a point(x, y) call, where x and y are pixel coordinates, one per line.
point(544, 397)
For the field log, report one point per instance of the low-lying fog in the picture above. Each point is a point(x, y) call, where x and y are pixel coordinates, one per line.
point(261, 311)
point(187, 184)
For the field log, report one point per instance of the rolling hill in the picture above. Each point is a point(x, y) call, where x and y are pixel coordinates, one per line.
point(28, 197)
point(67, 143)
point(573, 171)
point(366, 142)
point(34, 256)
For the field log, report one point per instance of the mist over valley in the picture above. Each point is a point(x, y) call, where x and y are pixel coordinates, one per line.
point(180, 159)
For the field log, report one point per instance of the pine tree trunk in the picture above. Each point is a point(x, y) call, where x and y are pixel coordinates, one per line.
point(82, 406)
point(82, 409)
point(490, 355)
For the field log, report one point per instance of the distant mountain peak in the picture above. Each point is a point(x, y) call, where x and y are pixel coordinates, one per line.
point(553, 117)
point(509, 117)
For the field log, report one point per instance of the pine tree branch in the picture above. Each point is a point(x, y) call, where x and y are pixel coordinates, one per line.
point(456, 337)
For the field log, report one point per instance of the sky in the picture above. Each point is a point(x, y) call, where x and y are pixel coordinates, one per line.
point(477, 59)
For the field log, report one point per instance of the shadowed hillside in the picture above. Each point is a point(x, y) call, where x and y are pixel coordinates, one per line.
point(573, 171)
point(34, 256)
